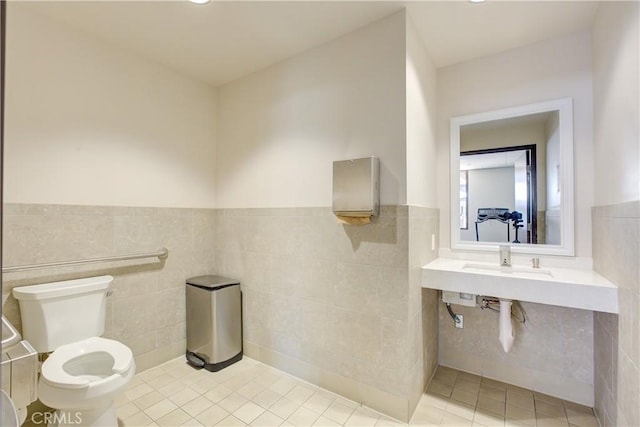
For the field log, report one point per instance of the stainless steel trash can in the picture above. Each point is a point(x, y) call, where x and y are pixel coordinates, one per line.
point(214, 322)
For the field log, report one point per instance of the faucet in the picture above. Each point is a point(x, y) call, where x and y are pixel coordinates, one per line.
point(505, 256)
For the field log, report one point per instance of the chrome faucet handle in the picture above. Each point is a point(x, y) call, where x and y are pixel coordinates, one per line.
point(535, 262)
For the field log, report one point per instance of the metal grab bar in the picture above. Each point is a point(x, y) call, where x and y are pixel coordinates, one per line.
point(162, 254)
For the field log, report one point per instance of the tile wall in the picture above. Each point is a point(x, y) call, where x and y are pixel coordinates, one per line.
point(552, 352)
point(146, 310)
point(423, 303)
point(337, 305)
point(340, 306)
point(616, 251)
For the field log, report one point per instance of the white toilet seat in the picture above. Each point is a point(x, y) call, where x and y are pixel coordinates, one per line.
point(116, 359)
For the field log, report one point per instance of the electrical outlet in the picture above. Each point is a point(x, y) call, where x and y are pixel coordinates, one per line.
point(460, 323)
point(433, 242)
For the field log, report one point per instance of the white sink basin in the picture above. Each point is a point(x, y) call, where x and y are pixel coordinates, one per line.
point(513, 271)
point(566, 287)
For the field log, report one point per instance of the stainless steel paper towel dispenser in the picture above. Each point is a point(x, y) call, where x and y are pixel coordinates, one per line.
point(356, 189)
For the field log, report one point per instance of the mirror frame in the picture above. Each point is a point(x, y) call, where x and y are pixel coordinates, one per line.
point(564, 106)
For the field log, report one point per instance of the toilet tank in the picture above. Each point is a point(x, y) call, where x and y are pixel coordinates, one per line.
point(58, 313)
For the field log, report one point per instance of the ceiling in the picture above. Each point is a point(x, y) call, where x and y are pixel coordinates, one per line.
point(224, 40)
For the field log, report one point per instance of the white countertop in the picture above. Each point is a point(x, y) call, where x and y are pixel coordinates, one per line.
point(566, 287)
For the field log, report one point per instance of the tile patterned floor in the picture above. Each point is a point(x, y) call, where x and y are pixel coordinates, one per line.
point(250, 393)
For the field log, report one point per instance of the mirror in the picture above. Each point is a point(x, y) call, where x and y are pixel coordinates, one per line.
point(512, 179)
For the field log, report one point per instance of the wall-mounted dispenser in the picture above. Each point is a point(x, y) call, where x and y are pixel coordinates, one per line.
point(356, 189)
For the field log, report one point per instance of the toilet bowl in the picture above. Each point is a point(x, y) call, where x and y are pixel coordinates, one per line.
point(84, 372)
point(81, 379)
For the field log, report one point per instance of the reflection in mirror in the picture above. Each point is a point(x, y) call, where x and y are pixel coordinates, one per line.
point(506, 162)
point(508, 169)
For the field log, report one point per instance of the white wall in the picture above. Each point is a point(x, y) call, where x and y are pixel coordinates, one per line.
point(281, 128)
point(90, 124)
point(552, 162)
point(548, 70)
point(421, 122)
point(616, 120)
point(490, 188)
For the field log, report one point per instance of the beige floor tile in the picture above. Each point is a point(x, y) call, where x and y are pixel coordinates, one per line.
point(139, 419)
point(488, 382)
point(174, 418)
point(362, 417)
point(451, 420)
point(468, 377)
point(318, 402)
point(160, 409)
point(511, 423)
point(183, 396)
point(217, 394)
point(389, 422)
point(486, 405)
point(268, 378)
point(250, 390)
point(161, 381)
point(493, 393)
point(439, 388)
point(148, 400)
point(549, 410)
point(520, 400)
point(514, 389)
point(551, 422)
point(338, 411)
point(521, 415)
point(232, 402)
point(284, 408)
point(197, 405)
point(172, 388)
point(548, 399)
point(236, 382)
point(487, 419)
point(127, 410)
point(283, 385)
point(267, 419)
point(266, 398)
point(138, 391)
point(303, 417)
point(460, 409)
point(120, 400)
point(326, 422)
point(467, 397)
point(446, 375)
point(427, 415)
point(299, 394)
point(469, 386)
point(212, 416)
point(150, 374)
point(581, 419)
point(576, 407)
point(192, 423)
point(205, 385)
point(230, 421)
point(434, 400)
point(248, 412)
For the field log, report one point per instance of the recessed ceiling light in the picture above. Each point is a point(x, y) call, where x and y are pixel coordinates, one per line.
point(476, 1)
point(199, 1)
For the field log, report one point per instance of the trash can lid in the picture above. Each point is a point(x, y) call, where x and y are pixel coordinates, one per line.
point(210, 281)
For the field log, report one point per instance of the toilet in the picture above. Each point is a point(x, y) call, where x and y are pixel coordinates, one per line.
point(85, 372)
